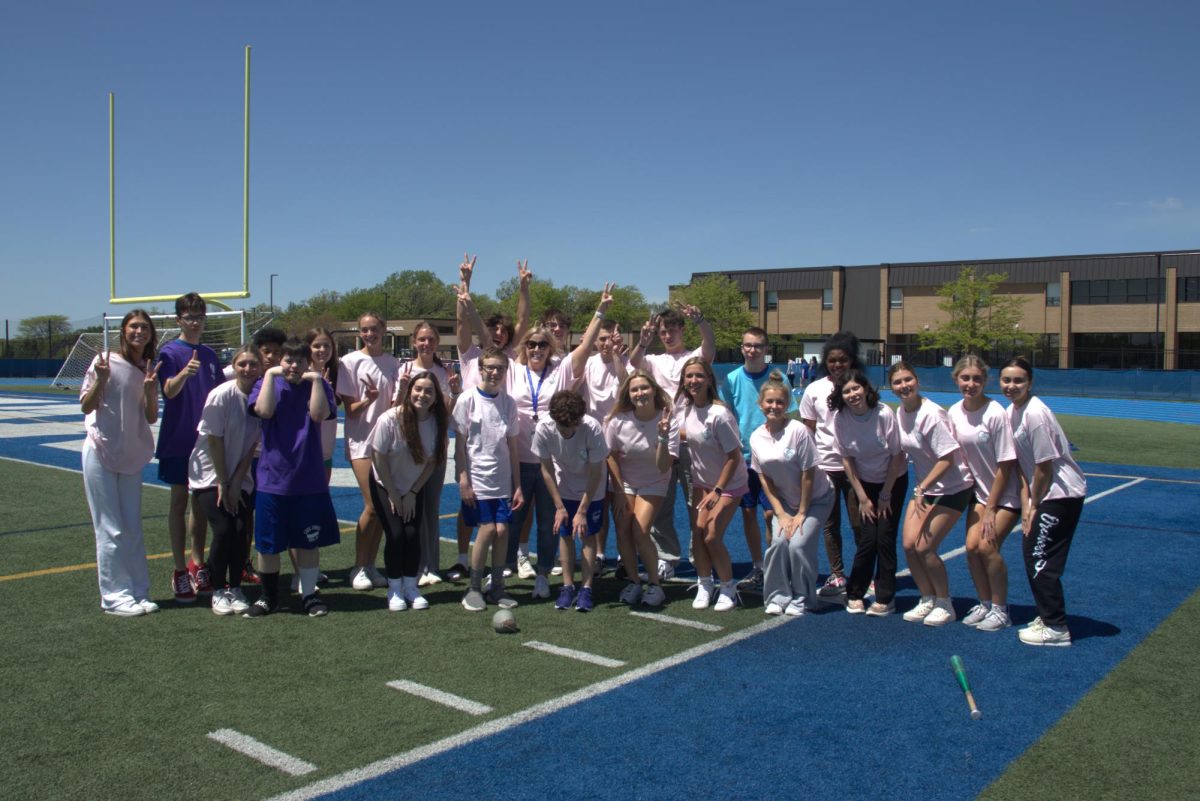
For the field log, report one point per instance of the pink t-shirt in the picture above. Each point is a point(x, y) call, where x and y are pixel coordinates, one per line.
point(572, 458)
point(486, 423)
point(634, 443)
point(925, 436)
point(532, 391)
point(439, 372)
point(871, 440)
point(225, 415)
point(711, 433)
point(353, 370)
point(667, 368)
point(117, 428)
point(986, 441)
point(469, 365)
point(783, 457)
point(1039, 438)
point(814, 405)
point(601, 385)
point(387, 439)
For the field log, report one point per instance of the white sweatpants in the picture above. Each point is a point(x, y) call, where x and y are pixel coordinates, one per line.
point(116, 503)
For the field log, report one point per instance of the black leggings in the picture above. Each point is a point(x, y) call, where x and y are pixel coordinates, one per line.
point(833, 524)
point(875, 557)
point(402, 547)
point(1045, 549)
point(227, 554)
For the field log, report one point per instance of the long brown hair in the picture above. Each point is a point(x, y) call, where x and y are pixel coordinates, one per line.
point(713, 397)
point(331, 366)
point(409, 423)
point(624, 404)
point(151, 349)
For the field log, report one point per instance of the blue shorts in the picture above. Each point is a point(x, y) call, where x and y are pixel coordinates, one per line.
point(294, 521)
point(594, 513)
point(754, 492)
point(487, 511)
point(173, 470)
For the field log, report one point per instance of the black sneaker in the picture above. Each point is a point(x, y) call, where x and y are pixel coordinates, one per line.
point(260, 608)
point(457, 573)
point(314, 606)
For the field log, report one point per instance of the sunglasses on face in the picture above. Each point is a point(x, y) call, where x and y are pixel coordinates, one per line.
point(537, 344)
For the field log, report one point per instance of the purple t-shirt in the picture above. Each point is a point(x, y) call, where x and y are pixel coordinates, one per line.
point(292, 460)
point(181, 414)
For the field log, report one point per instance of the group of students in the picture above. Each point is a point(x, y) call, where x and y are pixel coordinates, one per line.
point(569, 436)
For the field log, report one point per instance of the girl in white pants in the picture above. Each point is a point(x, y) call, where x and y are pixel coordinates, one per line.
point(119, 397)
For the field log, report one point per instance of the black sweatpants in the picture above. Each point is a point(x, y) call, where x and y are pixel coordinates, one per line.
point(833, 524)
point(402, 543)
point(1046, 549)
point(227, 553)
point(875, 539)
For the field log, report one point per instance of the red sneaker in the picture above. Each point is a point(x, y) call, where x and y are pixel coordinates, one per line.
point(199, 577)
point(181, 582)
point(250, 575)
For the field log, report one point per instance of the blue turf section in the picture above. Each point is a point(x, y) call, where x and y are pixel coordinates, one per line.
point(829, 703)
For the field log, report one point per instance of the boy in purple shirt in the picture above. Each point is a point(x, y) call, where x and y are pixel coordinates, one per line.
point(188, 371)
point(292, 506)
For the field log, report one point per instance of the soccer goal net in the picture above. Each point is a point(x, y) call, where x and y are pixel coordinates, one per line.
point(225, 332)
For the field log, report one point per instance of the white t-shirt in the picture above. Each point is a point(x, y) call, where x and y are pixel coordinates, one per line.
point(572, 458)
point(667, 369)
point(814, 405)
point(634, 443)
point(387, 439)
point(986, 441)
point(871, 440)
point(711, 433)
point(1039, 438)
point(468, 362)
point(601, 385)
point(353, 370)
point(925, 436)
point(783, 458)
point(531, 389)
point(225, 415)
point(118, 429)
point(486, 423)
point(439, 372)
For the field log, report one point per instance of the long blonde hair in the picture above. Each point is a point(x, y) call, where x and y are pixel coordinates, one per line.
point(624, 404)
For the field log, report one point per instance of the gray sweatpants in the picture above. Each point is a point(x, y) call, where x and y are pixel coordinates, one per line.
point(790, 565)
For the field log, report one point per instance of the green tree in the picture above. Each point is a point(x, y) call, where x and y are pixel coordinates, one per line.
point(979, 317)
point(724, 306)
point(44, 336)
point(629, 307)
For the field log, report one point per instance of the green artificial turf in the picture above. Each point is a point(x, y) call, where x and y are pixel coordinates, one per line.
point(1141, 442)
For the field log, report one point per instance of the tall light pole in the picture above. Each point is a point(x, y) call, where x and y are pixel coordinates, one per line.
point(272, 301)
point(385, 307)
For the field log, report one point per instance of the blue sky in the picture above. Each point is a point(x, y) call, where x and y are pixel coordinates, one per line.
point(635, 142)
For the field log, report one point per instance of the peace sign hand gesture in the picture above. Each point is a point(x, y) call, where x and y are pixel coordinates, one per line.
point(606, 298)
point(466, 270)
point(370, 391)
point(151, 380)
point(523, 273)
point(648, 329)
point(664, 423)
point(618, 345)
point(689, 311)
point(102, 367)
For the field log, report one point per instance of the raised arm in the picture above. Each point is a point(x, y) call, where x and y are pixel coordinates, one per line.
point(264, 405)
point(526, 278)
point(579, 356)
point(708, 340)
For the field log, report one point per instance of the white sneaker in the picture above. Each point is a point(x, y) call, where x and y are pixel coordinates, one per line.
point(653, 595)
point(997, 619)
point(557, 569)
point(941, 614)
point(222, 604)
point(413, 595)
point(395, 595)
point(148, 606)
point(238, 601)
point(378, 580)
point(855, 606)
point(525, 567)
point(920, 611)
point(127, 609)
point(1045, 635)
point(541, 587)
point(666, 570)
point(429, 578)
point(795, 609)
point(774, 609)
point(359, 579)
point(976, 615)
point(1036, 623)
point(704, 594)
point(632, 594)
point(727, 598)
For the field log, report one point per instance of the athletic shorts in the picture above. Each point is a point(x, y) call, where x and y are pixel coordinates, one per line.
point(294, 521)
point(594, 513)
point(173, 470)
point(959, 501)
point(754, 492)
point(487, 510)
point(735, 492)
point(1015, 510)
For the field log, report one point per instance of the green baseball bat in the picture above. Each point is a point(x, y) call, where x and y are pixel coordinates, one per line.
point(960, 673)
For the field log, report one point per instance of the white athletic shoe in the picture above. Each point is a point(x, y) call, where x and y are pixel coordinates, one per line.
point(1045, 635)
point(429, 578)
point(704, 594)
point(920, 611)
point(666, 570)
point(238, 601)
point(795, 608)
point(525, 567)
point(148, 606)
point(359, 579)
point(413, 595)
point(774, 609)
point(941, 614)
point(222, 604)
point(395, 596)
point(727, 598)
point(855, 606)
point(997, 619)
point(541, 587)
point(127, 609)
point(976, 615)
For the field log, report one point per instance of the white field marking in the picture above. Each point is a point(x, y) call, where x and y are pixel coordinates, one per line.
point(440, 697)
point(959, 551)
point(1145, 478)
point(571, 653)
point(26, 412)
point(271, 757)
point(535, 712)
point(18, 430)
point(678, 621)
point(342, 477)
point(68, 470)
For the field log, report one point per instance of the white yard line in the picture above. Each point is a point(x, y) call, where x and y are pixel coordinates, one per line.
point(535, 712)
point(571, 653)
point(271, 757)
point(678, 621)
point(962, 549)
point(440, 697)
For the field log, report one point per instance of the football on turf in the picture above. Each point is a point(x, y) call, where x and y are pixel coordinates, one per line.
point(504, 622)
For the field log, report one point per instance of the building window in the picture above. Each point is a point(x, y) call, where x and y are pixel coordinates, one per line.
point(1118, 351)
point(896, 298)
point(1053, 294)
point(1188, 290)
point(826, 298)
point(772, 300)
point(1118, 290)
point(752, 299)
